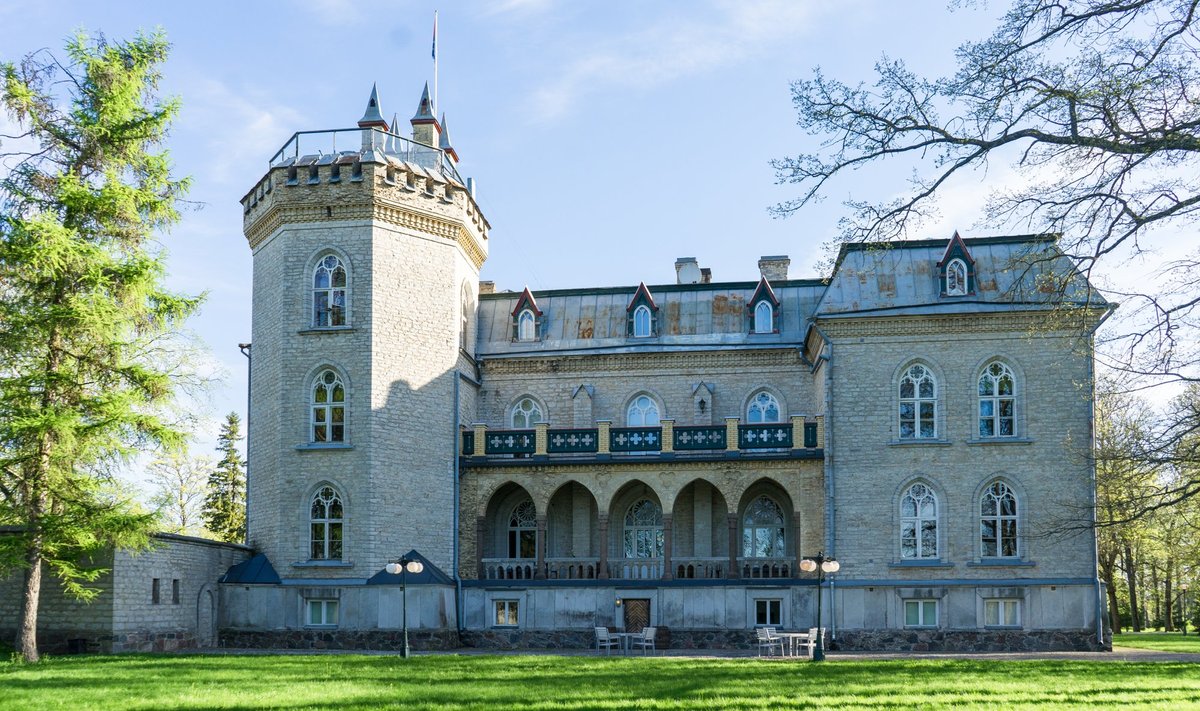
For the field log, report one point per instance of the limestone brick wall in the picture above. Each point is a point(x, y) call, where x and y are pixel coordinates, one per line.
point(60, 616)
point(1045, 463)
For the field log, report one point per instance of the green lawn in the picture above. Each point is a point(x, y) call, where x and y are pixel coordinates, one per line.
point(543, 682)
point(1162, 641)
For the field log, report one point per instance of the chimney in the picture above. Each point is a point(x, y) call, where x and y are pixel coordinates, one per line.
point(487, 287)
point(774, 268)
point(687, 271)
point(705, 275)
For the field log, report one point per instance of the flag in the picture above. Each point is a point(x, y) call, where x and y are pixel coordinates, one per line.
point(433, 53)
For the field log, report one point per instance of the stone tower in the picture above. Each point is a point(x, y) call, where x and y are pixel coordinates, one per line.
point(367, 247)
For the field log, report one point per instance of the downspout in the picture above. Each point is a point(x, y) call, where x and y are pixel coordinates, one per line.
point(454, 440)
point(826, 355)
point(245, 349)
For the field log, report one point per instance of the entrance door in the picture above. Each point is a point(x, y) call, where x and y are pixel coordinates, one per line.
point(637, 614)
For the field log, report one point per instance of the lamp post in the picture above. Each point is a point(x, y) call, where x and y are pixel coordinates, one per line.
point(821, 565)
point(402, 567)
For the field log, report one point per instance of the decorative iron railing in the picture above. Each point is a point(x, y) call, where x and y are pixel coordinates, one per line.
point(810, 435)
point(765, 436)
point(635, 439)
point(573, 441)
point(510, 442)
point(468, 443)
point(700, 437)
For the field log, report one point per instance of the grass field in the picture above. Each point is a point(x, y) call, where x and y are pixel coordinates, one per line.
point(537, 682)
point(1162, 641)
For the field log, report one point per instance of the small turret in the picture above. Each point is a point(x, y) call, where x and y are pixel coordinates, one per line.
point(372, 118)
point(444, 140)
point(425, 125)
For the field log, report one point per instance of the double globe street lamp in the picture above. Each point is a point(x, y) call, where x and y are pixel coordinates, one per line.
point(402, 567)
point(821, 565)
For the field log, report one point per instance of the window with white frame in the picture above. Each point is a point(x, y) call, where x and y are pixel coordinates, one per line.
point(768, 612)
point(507, 612)
point(526, 413)
point(764, 317)
point(328, 409)
point(325, 525)
point(998, 521)
point(920, 613)
point(918, 523)
point(997, 401)
point(956, 278)
point(321, 612)
point(468, 310)
point(526, 326)
point(330, 285)
point(763, 526)
point(642, 322)
point(763, 407)
point(918, 403)
point(1002, 612)
point(644, 530)
point(642, 412)
point(522, 531)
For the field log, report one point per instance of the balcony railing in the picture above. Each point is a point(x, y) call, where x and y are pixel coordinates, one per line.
point(572, 568)
point(682, 568)
point(350, 141)
point(636, 568)
point(768, 567)
point(509, 568)
point(798, 434)
point(700, 568)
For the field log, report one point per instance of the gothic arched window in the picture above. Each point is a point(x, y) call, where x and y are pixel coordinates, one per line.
point(998, 521)
point(522, 531)
point(918, 403)
point(328, 408)
point(526, 326)
point(642, 322)
point(526, 413)
point(997, 401)
point(644, 530)
point(763, 529)
point(956, 278)
point(764, 317)
point(918, 523)
point(325, 520)
point(642, 412)
point(763, 407)
point(330, 286)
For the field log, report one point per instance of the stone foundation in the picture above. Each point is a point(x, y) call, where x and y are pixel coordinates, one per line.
point(392, 640)
point(894, 640)
point(82, 642)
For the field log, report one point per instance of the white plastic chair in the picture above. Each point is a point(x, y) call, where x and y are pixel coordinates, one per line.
point(604, 640)
point(768, 641)
point(646, 641)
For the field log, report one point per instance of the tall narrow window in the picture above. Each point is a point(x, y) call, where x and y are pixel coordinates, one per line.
point(763, 407)
point(956, 278)
point(918, 523)
point(526, 330)
point(763, 529)
point(522, 531)
point(764, 317)
point(642, 412)
point(468, 310)
point(325, 525)
point(330, 284)
point(644, 530)
point(328, 408)
point(642, 322)
point(997, 401)
point(918, 404)
point(998, 521)
point(526, 413)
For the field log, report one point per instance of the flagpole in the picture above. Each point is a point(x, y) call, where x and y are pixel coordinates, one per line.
point(435, 72)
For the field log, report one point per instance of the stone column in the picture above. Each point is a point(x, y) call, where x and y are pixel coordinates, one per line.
point(480, 530)
point(541, 438)
point(734, 540)
point(602, 525)
point(731, 434)
point(539, 572)
point(668, 436)
point(668, 538)
point(797, 431)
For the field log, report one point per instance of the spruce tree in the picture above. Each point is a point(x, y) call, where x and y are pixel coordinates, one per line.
point(86, 326)
point(225, 505)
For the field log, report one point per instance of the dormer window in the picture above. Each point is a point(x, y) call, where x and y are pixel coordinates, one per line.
point(526, 331)
point(764, 309)
point(641, 322)
point(956, 269)
point(764, 320)
point(527, 318)
point(642, 315)
point(956, 278)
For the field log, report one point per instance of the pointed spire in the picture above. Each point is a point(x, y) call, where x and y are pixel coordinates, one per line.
point(424, 108)
point(392, 145)
point(372, 117)
point(444, 140)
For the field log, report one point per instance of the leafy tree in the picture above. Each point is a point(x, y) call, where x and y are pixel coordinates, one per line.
point(85, 323)
point(180, 487)
point(225, 505)
point(1094, 105)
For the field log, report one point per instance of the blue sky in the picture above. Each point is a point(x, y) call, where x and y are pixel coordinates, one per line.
point(607, 138)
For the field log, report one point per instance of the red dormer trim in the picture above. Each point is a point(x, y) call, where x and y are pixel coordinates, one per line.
point(641, 295)
point(526, 299)
point(763, 291)
point(961, 252)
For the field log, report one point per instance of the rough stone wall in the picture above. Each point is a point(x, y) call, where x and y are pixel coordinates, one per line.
point(61, 617)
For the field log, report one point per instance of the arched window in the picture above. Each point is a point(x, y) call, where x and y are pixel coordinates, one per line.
point(763, 407)
point(998, 521)
point(644, 530)
point(997, 401)
point(526, 413)
point(642, 412)
point(468, 310)
point(918, 523)
point(918, 404)
point(763, 529)
point(522, 531)
point(525, 326)
point(642, 322)
point(325, 525)
point(328, 408)
point(330, 285)
point(956, 278)
point(764, 317)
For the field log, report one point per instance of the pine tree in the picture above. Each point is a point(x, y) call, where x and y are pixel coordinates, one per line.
point(225, 506)
point(86, 327)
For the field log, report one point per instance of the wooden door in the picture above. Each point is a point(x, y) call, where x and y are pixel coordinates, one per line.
point(637, 614)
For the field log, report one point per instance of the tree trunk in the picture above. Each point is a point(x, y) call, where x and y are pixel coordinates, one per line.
point(27, 636)
point(1108, 574)
point(1135, 612)
point(1168, 601)
point(1155, 596)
